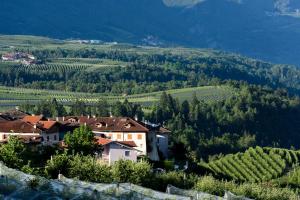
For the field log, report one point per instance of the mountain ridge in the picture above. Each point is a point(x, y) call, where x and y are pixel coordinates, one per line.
point(265, 30)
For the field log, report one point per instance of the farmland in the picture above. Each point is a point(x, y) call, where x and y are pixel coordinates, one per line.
point(16, 96)
point(255, 165)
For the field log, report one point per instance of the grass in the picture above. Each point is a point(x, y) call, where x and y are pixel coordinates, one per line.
point(16, 96)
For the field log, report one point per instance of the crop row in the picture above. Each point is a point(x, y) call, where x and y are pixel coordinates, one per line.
point(255, 165)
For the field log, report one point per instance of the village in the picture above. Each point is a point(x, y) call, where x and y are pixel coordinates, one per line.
point(121, 138)
point(20, 57)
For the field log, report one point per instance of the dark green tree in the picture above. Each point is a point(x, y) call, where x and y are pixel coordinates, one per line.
point(81, 141)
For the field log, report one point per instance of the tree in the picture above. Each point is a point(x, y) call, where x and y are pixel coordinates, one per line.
point(81, 141)
point(102, 108)
point(12, 153)
point(78, 108)
point(126, 171)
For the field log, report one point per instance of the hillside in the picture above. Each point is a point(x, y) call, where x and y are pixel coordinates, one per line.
point(255, 165)
point(267, 30)
point(11, 97)
point(129, 69)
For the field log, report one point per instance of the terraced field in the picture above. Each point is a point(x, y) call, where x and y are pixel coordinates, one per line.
point(255, 165)
point(17, 96)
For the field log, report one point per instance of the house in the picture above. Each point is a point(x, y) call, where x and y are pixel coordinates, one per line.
point(117, 150)
point(31, 129)
point(24, 58)
point(151, 140)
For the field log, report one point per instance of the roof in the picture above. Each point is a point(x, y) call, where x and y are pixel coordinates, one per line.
point(15, 114)
point(33, 119)
point(128, 143)
point(105, 141)
point(113, 124)
point(21, 126)
point(18, 126)
point(47, 124)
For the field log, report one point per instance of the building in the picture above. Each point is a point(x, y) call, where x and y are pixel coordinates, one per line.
point(117, 150)
point(151, 140)
point(32, 129)
point(24, 58)
point(118, 135)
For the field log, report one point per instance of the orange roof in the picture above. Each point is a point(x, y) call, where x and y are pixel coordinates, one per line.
point(47, 124)
point(33, 119)
point(103, 141)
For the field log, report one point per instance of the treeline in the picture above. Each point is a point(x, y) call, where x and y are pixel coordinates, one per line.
point(149, 72)
point(52, 108)
point(254, 116)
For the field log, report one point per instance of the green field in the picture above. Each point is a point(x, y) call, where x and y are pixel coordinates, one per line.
point(17, 96)
point(255, 165)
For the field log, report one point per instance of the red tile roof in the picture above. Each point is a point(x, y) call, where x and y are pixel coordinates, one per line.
point(33, 119)
point(18, 126)
point(105, 141)
point(47, 124)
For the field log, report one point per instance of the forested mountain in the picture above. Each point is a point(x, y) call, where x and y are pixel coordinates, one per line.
point(266, 29)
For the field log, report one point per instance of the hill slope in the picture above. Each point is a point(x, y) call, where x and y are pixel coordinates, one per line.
point(262, 29)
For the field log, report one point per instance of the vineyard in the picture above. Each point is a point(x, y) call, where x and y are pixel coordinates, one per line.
point(65, 65)
point(16, 96)
point(255, 165)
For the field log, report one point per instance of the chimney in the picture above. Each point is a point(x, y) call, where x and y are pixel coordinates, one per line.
point(63, 119)
point(33, 115)
point(94, 116)
point(110, 114)
point(136, 118)
point(57, 119)
point(84, 123)
point(34, 126)
point(17, 107)
point(88, 116)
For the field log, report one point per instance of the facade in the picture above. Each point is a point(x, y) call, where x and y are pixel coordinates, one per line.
point(127, 137)
point(151, 140)
point(31, 129)
point(114, 151)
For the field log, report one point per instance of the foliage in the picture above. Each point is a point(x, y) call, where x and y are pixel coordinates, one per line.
point(254, 116)
point(259, 191)
point(58, 164)
point(12, 153)
point(128, 171)
point(179, 179)
point(255, 165)
point(81, 141)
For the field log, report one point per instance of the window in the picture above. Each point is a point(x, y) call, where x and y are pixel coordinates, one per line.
point(129, 137)
point(140, 136)
point(55, 137)
point(48, 138)
point(119, 136)
point(127, 153)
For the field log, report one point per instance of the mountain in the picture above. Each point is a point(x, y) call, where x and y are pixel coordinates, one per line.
point(267, 29)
